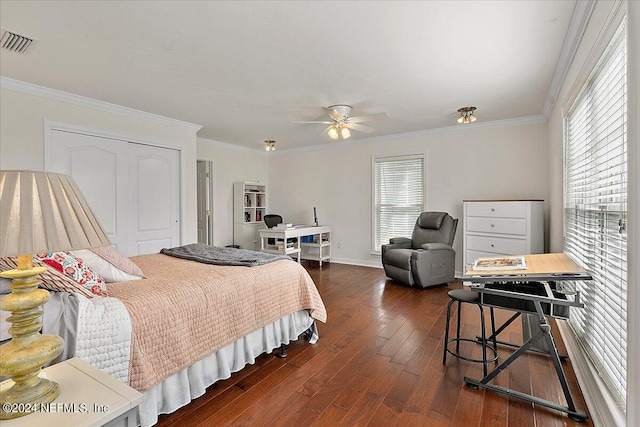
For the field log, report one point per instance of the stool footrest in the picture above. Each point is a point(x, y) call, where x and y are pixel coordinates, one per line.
point(469, 359)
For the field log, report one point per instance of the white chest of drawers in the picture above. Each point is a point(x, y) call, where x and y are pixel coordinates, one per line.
point(502, 227)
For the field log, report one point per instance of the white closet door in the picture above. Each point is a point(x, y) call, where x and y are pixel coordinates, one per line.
point(154, 184)
point(133, 189)
point(93, 163)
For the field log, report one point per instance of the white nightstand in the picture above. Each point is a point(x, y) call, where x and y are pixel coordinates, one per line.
point(88, 397)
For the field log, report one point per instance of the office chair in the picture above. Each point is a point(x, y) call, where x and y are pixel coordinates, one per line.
point(271, 220)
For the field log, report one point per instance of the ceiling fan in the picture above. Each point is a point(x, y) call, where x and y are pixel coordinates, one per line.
point(340, 122)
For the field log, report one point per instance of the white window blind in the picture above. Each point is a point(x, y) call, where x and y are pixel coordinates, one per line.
point(595, 212)
point(398, 199)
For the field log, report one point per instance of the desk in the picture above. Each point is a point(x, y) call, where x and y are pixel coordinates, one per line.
point(319, 249)
point(538, 289)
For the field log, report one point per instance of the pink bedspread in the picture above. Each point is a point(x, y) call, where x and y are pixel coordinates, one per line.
point(184, 310)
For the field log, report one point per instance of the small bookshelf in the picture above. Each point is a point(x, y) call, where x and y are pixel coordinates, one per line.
point(249, 209)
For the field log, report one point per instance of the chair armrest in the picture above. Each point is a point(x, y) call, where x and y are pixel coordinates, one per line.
point(395, 245)
point(437, 247)
point(396, 240)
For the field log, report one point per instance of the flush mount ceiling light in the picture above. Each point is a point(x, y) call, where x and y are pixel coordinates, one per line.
point(466, 115)
point(270, 145)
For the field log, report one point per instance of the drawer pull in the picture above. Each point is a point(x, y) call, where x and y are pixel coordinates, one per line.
point(492, 245)
point(492, 225)
point(493, 210)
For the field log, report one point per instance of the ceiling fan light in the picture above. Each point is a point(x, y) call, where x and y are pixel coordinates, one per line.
point(472, 118)
point(461, 118)
point(345, 133)
point(333, 132)
point(270, 145)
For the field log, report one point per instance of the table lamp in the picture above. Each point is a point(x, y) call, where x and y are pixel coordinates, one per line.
point(39, 212)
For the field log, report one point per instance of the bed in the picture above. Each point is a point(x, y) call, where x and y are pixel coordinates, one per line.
point(216, 318)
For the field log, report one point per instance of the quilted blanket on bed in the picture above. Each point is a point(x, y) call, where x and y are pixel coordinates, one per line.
point(184, 310)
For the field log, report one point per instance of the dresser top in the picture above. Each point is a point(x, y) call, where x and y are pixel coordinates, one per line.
point(503, 200)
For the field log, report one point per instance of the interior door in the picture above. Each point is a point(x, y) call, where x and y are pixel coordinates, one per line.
point(154, 191)
point(204, 202)
point(93, 163)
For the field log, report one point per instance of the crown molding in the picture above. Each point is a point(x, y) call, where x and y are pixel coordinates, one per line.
point(228, 146)
point(57, 95)
point(577, 26)
point(518, 121)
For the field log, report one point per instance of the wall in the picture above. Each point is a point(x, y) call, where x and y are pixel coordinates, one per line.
point(230, 164)
point(22, 117)
point(498, 160)
point(603, 22)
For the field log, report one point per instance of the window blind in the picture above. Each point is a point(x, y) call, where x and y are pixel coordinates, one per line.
point(595, 212)
point(398, 183)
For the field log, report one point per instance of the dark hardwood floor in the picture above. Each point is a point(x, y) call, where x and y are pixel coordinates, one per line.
point(379, 362)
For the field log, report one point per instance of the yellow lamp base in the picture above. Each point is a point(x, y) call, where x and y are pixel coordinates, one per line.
point(22, 358)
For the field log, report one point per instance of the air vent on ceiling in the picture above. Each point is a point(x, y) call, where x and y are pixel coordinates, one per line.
point(15, 42)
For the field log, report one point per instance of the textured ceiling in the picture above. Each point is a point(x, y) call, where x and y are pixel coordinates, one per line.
point(245, 70)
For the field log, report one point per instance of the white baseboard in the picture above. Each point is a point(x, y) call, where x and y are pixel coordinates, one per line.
point(374, 264)
point(602, 407)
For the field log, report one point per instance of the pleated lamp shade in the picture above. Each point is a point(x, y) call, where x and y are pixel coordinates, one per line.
point(44, 212)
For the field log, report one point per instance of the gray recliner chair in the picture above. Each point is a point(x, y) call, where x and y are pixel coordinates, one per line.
point(427, 259)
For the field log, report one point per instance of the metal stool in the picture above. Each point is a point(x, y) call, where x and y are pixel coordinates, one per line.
point(462, 295)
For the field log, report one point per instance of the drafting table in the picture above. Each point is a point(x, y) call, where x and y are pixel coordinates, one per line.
point(539, 289)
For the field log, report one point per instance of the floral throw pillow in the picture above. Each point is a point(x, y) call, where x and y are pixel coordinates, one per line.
point(51, 279)
point(75, 268)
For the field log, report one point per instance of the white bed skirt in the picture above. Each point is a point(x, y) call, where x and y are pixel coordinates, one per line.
point(179, 389)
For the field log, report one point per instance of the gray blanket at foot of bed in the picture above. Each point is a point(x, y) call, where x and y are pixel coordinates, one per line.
point(222, 256)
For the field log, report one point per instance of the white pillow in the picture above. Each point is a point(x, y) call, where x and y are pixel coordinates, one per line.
point(109, 272)
point(4, 325)
point(4, 285)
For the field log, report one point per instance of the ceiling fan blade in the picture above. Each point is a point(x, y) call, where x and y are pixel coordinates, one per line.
point(324, 123)
point(369, 118)
point(333, 113)
point(360, 128)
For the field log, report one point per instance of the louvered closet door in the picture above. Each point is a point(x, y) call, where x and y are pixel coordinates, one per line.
point(155, 199)
point(134, 189)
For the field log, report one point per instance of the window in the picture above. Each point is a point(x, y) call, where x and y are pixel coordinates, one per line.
point(398, 197)
point(595, 212)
